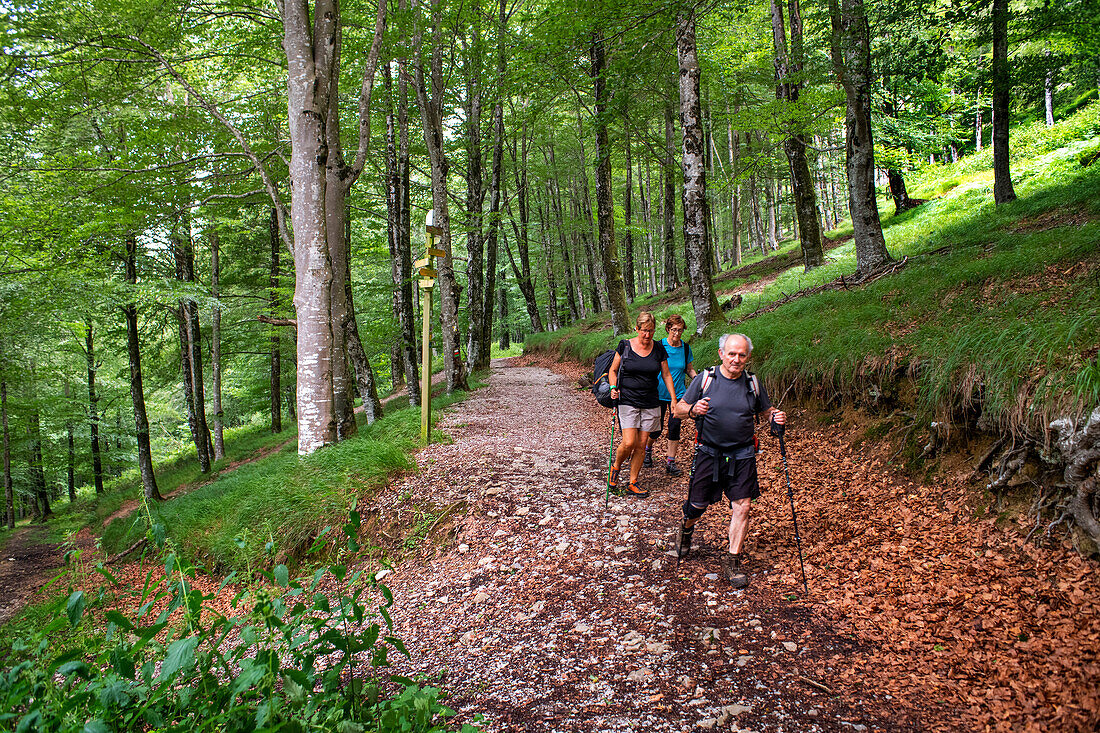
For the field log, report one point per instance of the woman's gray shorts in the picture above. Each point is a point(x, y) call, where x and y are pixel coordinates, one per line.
point(639, 418)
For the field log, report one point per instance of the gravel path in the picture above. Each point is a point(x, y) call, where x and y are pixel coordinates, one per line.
point(547, 612)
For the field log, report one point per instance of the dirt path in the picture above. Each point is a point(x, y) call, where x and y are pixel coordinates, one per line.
point(27, 563)
point(549, 612)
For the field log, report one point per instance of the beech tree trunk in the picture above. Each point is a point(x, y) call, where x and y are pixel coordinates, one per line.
point(190, 345)
point(1003, 191)
point(583, 214)
point(605, 210)
point(475, 199)
point(668, 205)
point(646, 200)
point(505, 328)
point(431, 102)
point(571, 287)
point(311, 58)
point(902, 202)
point(365, 382)
point(492, 243)
point(9, 494)
point(137, 391)
point(276, 356)
point(70, 464)
point(851, 51)
point(697, 246)
point(1048, 90)
point(769, 203)
point(216, 346)
point(36, 465)
point(978, 119)
point(553, 317)
point(735, 194)
point(628, 231)
point(93, 409)
point(788, 70)
point(406, 366)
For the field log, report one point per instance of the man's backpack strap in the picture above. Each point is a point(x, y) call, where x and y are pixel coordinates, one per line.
point(754, 389)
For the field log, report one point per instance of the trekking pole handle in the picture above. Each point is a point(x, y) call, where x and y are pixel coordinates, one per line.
point(778, 430)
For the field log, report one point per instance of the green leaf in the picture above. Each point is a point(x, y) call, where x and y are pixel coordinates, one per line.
point(119, 620)
point(96, 726)
point(282, 575)
point(106, 573)
point(319, 542)
point(75, 608)
point(180, 655)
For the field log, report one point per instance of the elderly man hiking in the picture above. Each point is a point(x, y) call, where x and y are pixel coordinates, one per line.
point(725, 401)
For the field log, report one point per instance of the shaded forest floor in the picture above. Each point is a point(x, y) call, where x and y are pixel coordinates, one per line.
point(535, 606)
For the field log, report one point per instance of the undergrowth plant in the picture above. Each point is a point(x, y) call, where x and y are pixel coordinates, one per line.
point(301, 656)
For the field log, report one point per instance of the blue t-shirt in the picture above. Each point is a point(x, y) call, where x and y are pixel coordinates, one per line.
point(678, 359)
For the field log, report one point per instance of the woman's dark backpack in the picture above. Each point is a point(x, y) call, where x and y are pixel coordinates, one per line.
point(600, 387)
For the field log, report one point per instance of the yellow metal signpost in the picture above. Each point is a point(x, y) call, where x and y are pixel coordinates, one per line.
point(427, 282)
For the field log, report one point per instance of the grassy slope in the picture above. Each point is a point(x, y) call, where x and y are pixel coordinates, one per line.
point(227, 523)
point(996, 310)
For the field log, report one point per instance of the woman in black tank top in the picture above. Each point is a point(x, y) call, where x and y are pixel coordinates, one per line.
point(633, 375)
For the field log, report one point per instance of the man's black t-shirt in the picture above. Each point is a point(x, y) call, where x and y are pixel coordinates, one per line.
point(638, 375)
point(729, 421)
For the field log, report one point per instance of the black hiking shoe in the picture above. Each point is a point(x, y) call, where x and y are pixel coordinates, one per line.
point(647, 462)
point(683, 541)
point(672, 469)
point(636, 492)
point(731, 566)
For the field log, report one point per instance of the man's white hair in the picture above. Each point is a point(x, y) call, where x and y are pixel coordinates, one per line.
point(722, 340)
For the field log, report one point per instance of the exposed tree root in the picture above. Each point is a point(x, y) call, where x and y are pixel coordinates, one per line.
point(115, 558)
point(1012, 460)
point(1080, 449)
point(857, 279)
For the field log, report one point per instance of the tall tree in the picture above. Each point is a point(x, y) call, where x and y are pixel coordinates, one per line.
point(216, 343)
point(137, 391)
point(190, 338)
point(851, 52)
point(276, 368)
point(605, 213)
point(93, 408)
point(696, 208)
point(788, 70)
point(475, 197)
point(398, 234)
point(9, 497)
point(1003, 191)
point(430, 93)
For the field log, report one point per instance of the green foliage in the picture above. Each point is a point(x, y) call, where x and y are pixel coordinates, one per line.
point(988, 313)
point(300, 655)
point(227, 523)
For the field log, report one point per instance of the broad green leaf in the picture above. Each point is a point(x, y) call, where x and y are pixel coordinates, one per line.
point(180, 656)
point(74, 608)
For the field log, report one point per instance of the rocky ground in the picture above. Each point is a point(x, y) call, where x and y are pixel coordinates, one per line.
point(550, 611)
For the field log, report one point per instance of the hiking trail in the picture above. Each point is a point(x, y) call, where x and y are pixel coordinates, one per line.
point(549, 612)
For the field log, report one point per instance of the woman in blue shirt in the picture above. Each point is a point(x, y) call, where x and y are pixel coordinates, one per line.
point(679, 364)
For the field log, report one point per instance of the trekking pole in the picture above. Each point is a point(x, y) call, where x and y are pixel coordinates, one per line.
point(777, 430)
point(610, 460)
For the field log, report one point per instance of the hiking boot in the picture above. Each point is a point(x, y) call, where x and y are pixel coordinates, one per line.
point(613, 483)
point(683, 540)
point(647, 462)
point(731, 566)
point(636, 492)
point(672, 469)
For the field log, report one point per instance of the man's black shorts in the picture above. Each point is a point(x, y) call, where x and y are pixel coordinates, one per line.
point(737, 482)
